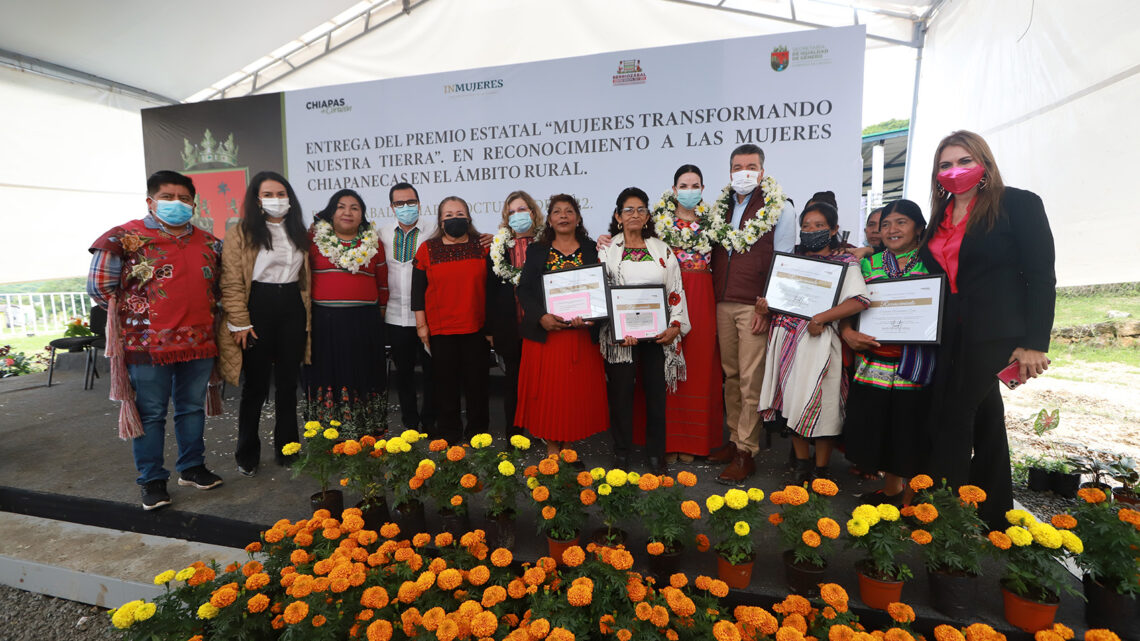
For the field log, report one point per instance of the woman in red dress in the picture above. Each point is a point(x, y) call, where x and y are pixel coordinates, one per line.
point(562, 384)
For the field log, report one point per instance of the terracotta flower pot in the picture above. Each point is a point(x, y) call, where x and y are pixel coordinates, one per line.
point(736, 576)
point(1122, 495)
point(802, 578)
point(1027, 615)
point(556, 547)
point(876, 593)
point(331, 500)
point(952, 594)
point(1106, 608)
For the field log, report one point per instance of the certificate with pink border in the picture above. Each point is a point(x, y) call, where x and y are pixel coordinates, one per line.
point(577, 292)
point(637, 311)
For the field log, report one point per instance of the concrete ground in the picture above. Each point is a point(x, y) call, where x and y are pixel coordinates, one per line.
point(59, 453)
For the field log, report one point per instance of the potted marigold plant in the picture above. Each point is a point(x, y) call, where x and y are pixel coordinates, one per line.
point(953, 543)
point(668, 518)
point(499, 474)
point(806, 529)
point(1034, 576)
point(363, 471)
point(317, 459)
point(406, 468)
point(617, 495)
point(1110, 539)
point(554, 487)
point(451, 484)
point(882, 536)
point(732, 517)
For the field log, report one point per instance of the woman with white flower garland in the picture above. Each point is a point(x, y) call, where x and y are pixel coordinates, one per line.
point(347, 379)
point(522, 222)
point(694, 413)
point(265, 303)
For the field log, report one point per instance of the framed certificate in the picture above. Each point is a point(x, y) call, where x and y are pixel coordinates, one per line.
point(905, 310)
point(803, 286)
point(638, 311)
point(576, 291)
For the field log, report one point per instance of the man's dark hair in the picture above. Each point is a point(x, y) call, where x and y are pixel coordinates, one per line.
point(399, 186)
point(747, 149)
point(167, 177)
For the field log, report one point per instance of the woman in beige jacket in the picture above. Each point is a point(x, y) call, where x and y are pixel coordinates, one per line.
point(265, 302)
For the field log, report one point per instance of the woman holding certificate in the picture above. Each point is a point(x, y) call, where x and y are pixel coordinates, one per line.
point(645, 337)
point(994, 244)
point(562, 386)
point(449, 286)
point(521, 220)
point(889, 393)
point(804, 381)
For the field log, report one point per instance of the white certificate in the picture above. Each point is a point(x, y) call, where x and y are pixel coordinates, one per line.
point(904, 310)
point(803, 286)
point(576, 292)
point(638, 311)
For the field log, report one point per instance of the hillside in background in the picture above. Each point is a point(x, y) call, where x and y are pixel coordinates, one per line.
point(76, 284)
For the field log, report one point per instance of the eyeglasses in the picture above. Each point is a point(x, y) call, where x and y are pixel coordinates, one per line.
point(643, 211)
point(401, 203)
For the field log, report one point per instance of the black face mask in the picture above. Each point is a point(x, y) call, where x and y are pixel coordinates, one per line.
point(814, 241)
point(455, 227)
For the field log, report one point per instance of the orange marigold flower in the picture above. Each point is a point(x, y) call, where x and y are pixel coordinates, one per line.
point(702, 543)
point(980, 632)
point(257, 603)
point(678, 580)
point(1130, 516)
point(925, 512)
point(201, 575)
point(548, 512)
point(1097, 634)
point(478, 575)
point(516, 589)
point(531, 470)
point(580, 595)
point(659, 617)
point(1000, 540)
point(449, 579)
point(726, 631)
point(415, 483)
point(444, 539)
point(666, 481)
point(824, 487)
point(223, 597)
point(379, 630)
point(421, 539)
point(1064, 631)
point(338, 448)
point(897, 634)
point(971, 494)
point(655, 548)
point(775, 518)
point(438, 445)
point(795, 495)
point(539, 628)
point(298, 557)
point(257, 581)
point(921, 482)
point(828, 527)
point(573, 556)
point(921, 537)
point(690, 509)
point(1092, 495)
point(907, 510)
point(534, 576)
point(948, 633)
point(501, 557)
point(793, 604)
point(624, 635)
point(840, 633)
point(901, 612)
point(643, 611)
point(778, 497)
point(296, 612)
point(374, 597)
point(587, 496)
point(621, 560)
point(568, 455)
point(584, 479)
point(484, 624)
point(540, 493)
point(253, 547)
point(319, 620)
point(718, 588)
point(810, 538)
point(548, 466)
point(648, 482)
point(493, 595)
point(457, 500)
point(686, 478)
point(468, 481)
point(834, 595)
point(271, 536)
point(389, 530)
point(788, 633)
point(456, 453)
point(1047, 635)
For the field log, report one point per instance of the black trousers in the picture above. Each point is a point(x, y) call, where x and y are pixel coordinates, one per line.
point(968, 438)
point(648, 366)
point(460, 366)
point(511, 352)
point(407, 348)
point(278, 317)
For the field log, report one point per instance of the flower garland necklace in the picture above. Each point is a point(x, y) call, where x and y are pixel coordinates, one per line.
point(349, 255)
point(742, 239)
point(698, 236)
point(500, 264)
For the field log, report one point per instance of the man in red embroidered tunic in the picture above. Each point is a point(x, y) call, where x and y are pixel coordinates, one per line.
point(157, 277)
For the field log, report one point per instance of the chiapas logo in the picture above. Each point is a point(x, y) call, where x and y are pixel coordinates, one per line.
point(780, 58)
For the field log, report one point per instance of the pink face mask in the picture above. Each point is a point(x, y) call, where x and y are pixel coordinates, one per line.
point(958, 180)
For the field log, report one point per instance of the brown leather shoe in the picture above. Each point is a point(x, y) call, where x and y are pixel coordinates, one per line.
point(742, 467)
point(723, 454)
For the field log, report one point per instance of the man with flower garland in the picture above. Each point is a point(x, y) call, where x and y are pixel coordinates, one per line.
point(157, 278)
point(759, 228)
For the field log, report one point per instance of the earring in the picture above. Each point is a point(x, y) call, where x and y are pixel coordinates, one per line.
point(941, 191)
point(621, 226)
point(982, 183)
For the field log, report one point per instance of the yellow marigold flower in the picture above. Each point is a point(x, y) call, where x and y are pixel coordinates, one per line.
point(925, 512)
point(410, 436)
point(866, 513)
point(1019, 535)
point(395, 445)
point(824, 487)
point(834, 595)
point(313, 425)
point(604, 489)
point(901, 612)
point(921, 537)
point(857, 527)
point(686, 478)
point(725, 631)
point(164, 577)
point(520, 442)
point(1063, 522)
point(1045, 535)
point(1019, 517)
point(633, 477)
point(506, 468)
point(811, 538)
point(291, 448)
point(208, 611)
point(888, 512)
point(755, 494)
point(616, 478)
point(479, 441)
point(124, 616)
point(828, 527)
point(145, 611)
point(1000, 540)
point(380, 445)
point(184, 574)
point(741, 528)
point(1072, 542)
point(714, 503)
point(331, 434)
point(921, 482)
point(598, 473)
point(531, 482)
point(736, 499)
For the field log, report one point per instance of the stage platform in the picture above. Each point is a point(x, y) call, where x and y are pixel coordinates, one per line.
point(61, 460)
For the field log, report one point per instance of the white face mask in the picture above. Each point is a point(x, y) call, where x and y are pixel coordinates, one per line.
point(743, 182)
point(276, 207)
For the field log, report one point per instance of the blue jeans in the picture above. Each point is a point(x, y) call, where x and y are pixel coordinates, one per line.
point(154, 385)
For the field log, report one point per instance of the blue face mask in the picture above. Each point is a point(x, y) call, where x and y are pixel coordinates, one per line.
point(173, 212)
point(520, 222)
point(407, 214)
point(689, 198)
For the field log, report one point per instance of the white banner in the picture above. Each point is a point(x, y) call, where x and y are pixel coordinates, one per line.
point(591, 126)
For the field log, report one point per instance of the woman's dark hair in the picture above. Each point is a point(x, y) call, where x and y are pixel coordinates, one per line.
point(649, 230)
point(687, 169)
point(579, 231)
point(326, 214)
point(829, 214)
point(907, 208)
point(472, 233)
point(827, 197)
point(253, 219)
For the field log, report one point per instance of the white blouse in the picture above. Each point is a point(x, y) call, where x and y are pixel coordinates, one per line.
point(282, 264)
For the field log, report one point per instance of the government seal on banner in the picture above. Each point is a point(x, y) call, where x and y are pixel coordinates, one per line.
point(629, 73)
point(220, 183)
point(780, 58)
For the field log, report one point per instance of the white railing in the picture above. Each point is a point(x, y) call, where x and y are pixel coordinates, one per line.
point(41, 314)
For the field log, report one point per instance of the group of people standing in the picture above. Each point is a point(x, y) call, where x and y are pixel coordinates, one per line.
point(441, 295)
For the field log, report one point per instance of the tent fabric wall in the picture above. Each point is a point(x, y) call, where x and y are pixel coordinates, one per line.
point(1052, 86)
point(71, 167)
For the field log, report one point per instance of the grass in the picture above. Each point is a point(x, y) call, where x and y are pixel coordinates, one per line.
point(1089, 308)
point(29, 344)
point(1067, 354)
